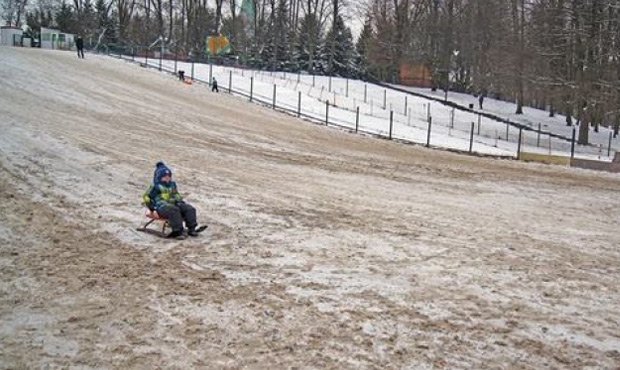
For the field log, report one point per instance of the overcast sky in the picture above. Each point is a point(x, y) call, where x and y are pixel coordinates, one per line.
point(353, 16)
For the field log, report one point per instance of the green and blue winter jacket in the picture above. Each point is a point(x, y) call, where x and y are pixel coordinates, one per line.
point(161, 194)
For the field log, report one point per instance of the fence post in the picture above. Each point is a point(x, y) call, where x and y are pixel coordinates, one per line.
point(274, 96)
point(299, 104)
point(298, 76)
point(479, 119)
point(133, 54)
point(405, 105)
point(384, 98)
point(428, 134)
point(357, 118)
point(538, 136)
point(230, 81)
point(452, 118)
point(572, 145)
point(347, 91)
point(391, 123)
point(507, 128)
point(146, 57)
point(326, 112)
point(365, 92)
point(428, 111)
point(313, 79)
point(519, 144)
point(251, 88)
point(210, 73)
point(175, 62)
point(330, 83)
point(192, 70)
point(609, 145)
point(160, 58)
point(471, 137)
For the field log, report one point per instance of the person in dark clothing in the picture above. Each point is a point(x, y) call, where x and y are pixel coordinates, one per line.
point(481, 99)
point(79, 44)
point(159, 166)
point(164, 198)
point(214, 85)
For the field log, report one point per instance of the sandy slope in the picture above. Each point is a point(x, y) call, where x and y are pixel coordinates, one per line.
point(325, 249)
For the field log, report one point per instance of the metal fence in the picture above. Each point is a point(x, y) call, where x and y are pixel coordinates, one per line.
point(371, 113)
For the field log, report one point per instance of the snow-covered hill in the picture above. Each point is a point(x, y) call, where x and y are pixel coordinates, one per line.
point(451, 128)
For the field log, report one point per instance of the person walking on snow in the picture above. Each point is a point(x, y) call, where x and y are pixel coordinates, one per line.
point(164, 198)
point(214, 88)
point(79, 44)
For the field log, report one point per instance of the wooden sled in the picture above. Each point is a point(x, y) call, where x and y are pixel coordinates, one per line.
point(154, 217)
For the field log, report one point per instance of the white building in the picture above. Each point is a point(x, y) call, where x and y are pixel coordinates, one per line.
point(54, 39)
point(11, 36)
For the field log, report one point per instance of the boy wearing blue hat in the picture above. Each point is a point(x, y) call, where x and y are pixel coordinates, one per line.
point(164, 198)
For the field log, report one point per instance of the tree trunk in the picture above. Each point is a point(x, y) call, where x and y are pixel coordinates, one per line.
point(551, 110)
point(171, 21)
point(218, 15)
point(569, 118)
point(584, 128)
point(520, 57)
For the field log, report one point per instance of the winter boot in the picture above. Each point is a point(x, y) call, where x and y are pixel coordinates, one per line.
point(176, 234)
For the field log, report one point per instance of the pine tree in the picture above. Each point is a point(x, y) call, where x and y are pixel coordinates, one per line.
point(364, 43)
point(65, 19)
point(282, 37)
point(343, 62)
point(308, 44)
point(268, 51)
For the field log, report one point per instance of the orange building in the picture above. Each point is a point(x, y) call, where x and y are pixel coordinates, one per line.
point(417, 75)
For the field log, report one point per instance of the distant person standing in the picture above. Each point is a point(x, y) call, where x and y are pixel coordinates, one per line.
point(214, 85)
point(481, 99)
point(79, 44)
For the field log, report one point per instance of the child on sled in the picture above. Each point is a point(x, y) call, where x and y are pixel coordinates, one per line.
point(164, 198)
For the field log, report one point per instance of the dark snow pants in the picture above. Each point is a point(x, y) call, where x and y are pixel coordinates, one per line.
point(177, 214)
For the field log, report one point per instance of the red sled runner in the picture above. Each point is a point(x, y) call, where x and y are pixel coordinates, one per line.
point(154, 217)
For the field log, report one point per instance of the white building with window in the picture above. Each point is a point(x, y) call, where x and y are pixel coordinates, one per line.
point(10, 36)
point(54, 39)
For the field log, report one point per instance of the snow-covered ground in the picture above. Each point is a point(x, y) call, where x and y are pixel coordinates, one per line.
point(451, 128)
point(325, 249)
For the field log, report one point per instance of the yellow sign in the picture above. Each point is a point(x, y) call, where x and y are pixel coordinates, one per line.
point(218, 45)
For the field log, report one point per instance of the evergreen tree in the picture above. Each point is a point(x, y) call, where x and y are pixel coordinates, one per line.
point(65, 19)
point(308, 44)
point(268, 51)
point(282, 35)
point(343, 62)
point(364, 43)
